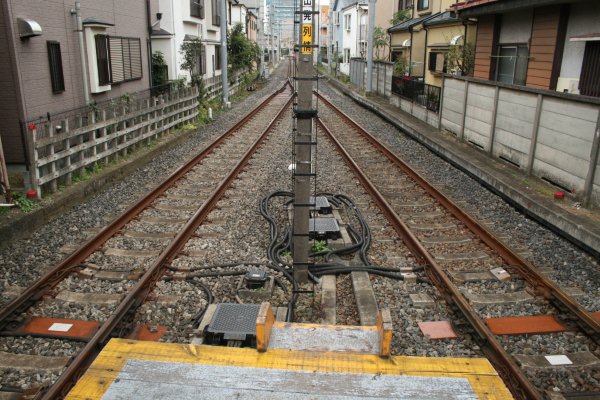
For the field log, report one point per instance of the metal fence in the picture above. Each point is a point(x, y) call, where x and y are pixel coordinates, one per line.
point(421, 93)
point(64, 144)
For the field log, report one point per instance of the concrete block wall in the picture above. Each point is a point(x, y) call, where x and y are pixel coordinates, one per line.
point(551, 135)
point(414, 109)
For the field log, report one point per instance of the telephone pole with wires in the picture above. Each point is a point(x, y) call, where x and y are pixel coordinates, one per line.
point(304, 112)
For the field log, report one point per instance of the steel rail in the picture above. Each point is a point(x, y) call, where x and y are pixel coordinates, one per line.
point(141, 289)
point(528, 271)
point(452, 294)
point(52, 277)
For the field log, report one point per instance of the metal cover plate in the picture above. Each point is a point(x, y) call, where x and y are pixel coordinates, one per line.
point(321, 204)
point(234, 319)
point(323, 225)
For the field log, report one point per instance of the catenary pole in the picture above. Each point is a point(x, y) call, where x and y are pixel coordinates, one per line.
point(370, 45)
point(303, 141)
point(223, 12)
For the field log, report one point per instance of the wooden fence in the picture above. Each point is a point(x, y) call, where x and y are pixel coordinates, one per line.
point(63, 148)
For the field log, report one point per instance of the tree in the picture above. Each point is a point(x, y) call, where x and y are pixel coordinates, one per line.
point(461, 59)
point(401, 16)
point(191, 51)
point(380, 41)
point(241, 52)
point(160, 70)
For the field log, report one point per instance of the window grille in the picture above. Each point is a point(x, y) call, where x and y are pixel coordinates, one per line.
point(197, 8)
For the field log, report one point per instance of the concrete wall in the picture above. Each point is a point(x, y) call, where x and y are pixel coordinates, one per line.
point(382, 76)
point(550, 135)
point(415, 110)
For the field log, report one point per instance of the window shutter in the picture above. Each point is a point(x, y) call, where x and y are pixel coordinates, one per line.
point(56, 70)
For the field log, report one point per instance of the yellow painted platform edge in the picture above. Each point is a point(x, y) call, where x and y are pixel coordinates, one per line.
point(484, 380)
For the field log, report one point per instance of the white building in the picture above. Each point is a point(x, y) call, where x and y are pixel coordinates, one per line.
point(187, 20)
point(353, 20)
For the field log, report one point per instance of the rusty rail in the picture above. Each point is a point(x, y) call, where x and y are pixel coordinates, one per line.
point(52, 277)
point(139, 292)
point(527, 270)
point(451, 293)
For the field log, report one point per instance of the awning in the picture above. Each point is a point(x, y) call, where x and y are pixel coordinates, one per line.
point(590, 37)
point(93, 21)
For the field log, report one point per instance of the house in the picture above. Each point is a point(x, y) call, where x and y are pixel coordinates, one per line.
point(64, 55)
point(420, 43)
point(354, 18)
point(543, 44)
point(185, 21)
point(443, 32)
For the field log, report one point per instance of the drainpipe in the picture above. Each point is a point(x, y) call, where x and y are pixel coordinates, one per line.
point(149, 41)
point(410, 65)
point(82, 56)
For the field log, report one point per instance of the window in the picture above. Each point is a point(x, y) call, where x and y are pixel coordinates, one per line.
point(437, 61)
point(336, 18)
point(511, 64)
point(347, 22)
point(217, 61)
point(346, 55)
point(119, 59)
point(56, 70)
point(200, 63)
point(589, 82)
point(102, 54)
point(404, 4)
point(197, 8)
point(422, 5)
point(216, 13)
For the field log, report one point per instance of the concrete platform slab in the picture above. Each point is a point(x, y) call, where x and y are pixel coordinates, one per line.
point(437, 329)
point(365, 298)
point(333, 338)
point(499, 298)
point(577, 360)
point(105, 299)
point(132, 369)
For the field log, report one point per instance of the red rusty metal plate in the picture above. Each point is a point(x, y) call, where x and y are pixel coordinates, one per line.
point(596, 315)
point(142, 332)
point(437, 329)
point(530, 324)
point(60, 327)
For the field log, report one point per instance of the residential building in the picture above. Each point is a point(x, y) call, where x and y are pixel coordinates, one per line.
point(353, 19)
point(186, 20)
point(444, 32)
point(41, 71)
point(421, 42)
point(551, 45)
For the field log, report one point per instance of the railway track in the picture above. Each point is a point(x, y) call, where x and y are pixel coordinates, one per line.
point(130, 255)
point(469, 265)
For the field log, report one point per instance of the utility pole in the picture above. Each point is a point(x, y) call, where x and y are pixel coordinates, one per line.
point(370, 45)
point(303, 141)
point(271, 23)
point(223, 12)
